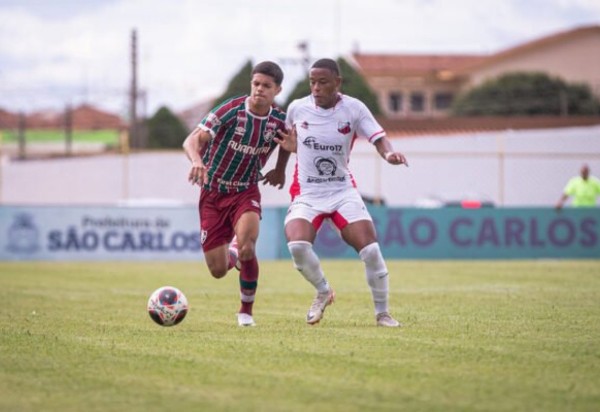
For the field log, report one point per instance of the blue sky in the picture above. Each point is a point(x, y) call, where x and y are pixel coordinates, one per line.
point(61, 52)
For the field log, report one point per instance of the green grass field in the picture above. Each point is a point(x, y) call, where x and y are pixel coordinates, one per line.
point(53, 136)
point(477, 336)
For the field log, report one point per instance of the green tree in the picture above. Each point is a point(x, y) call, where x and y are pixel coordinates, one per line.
point(301, 89)
point(526, 93)
point(165, 130)
point(353, 84)
point(239, 85)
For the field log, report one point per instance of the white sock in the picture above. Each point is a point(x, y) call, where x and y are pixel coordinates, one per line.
point(377, 275)
point(307, 262)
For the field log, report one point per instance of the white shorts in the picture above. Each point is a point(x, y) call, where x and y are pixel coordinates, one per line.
point(341, 208)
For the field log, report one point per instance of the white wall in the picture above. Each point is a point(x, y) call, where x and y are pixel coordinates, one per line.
point(535, 167)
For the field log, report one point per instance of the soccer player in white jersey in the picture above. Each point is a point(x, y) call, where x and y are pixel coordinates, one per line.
point(322, 128)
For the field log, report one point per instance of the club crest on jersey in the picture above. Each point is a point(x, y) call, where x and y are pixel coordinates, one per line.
point(344, 127)
point(269, 134)
point(304, 125)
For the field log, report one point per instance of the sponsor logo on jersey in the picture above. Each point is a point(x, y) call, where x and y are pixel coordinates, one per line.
point(232, 183)
point(240, 127)
point(344, 127)
point(326, 166)
point(313, 179)
point(311, 143)
point(246, 149)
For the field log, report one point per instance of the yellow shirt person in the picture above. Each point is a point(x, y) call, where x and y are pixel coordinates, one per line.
point(584, 189)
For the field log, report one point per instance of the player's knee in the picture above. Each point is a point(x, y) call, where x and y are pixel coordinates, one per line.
point(217, 272)
point(371, 253)
point(300, 251)
point(247, 251)
point(373, 259)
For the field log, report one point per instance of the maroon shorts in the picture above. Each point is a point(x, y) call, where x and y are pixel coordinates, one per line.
point(219, 212)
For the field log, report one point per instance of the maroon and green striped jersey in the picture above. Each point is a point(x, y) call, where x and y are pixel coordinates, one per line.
point(240, 146)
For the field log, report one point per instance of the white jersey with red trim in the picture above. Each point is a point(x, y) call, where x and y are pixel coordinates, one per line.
point(325, 139)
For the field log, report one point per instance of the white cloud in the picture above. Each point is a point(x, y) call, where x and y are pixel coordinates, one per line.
point(188, 50)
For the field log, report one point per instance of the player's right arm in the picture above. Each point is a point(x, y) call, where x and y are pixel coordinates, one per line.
point(193, 145)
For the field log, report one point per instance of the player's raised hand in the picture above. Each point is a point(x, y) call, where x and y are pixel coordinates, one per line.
point(288, 140)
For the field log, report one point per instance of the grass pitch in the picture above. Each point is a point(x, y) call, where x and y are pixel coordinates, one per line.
point(477, 336)
point(106, 136)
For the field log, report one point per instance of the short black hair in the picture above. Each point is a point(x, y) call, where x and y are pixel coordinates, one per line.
point(329, 64)
point(269, 69)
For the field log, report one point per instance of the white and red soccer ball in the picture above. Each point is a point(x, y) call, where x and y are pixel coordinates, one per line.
point(167, 306)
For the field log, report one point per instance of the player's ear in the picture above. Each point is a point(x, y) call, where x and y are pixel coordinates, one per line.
point(278, 90)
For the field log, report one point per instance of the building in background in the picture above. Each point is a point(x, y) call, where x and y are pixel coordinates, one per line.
point(410, 88)
point(194, 114)
point(82, 117)
point(424, 86)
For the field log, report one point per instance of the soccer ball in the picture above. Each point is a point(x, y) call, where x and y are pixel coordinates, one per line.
point(167, 306)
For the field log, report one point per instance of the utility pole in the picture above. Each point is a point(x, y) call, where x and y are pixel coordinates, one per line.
point(21, 135)
point(133, 94)
point(68, 124)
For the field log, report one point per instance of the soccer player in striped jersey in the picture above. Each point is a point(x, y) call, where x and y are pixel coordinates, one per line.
point(323, 127)
point(227, 150)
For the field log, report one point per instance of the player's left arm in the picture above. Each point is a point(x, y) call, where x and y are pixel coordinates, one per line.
point(368, 126)
point(385, 150)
